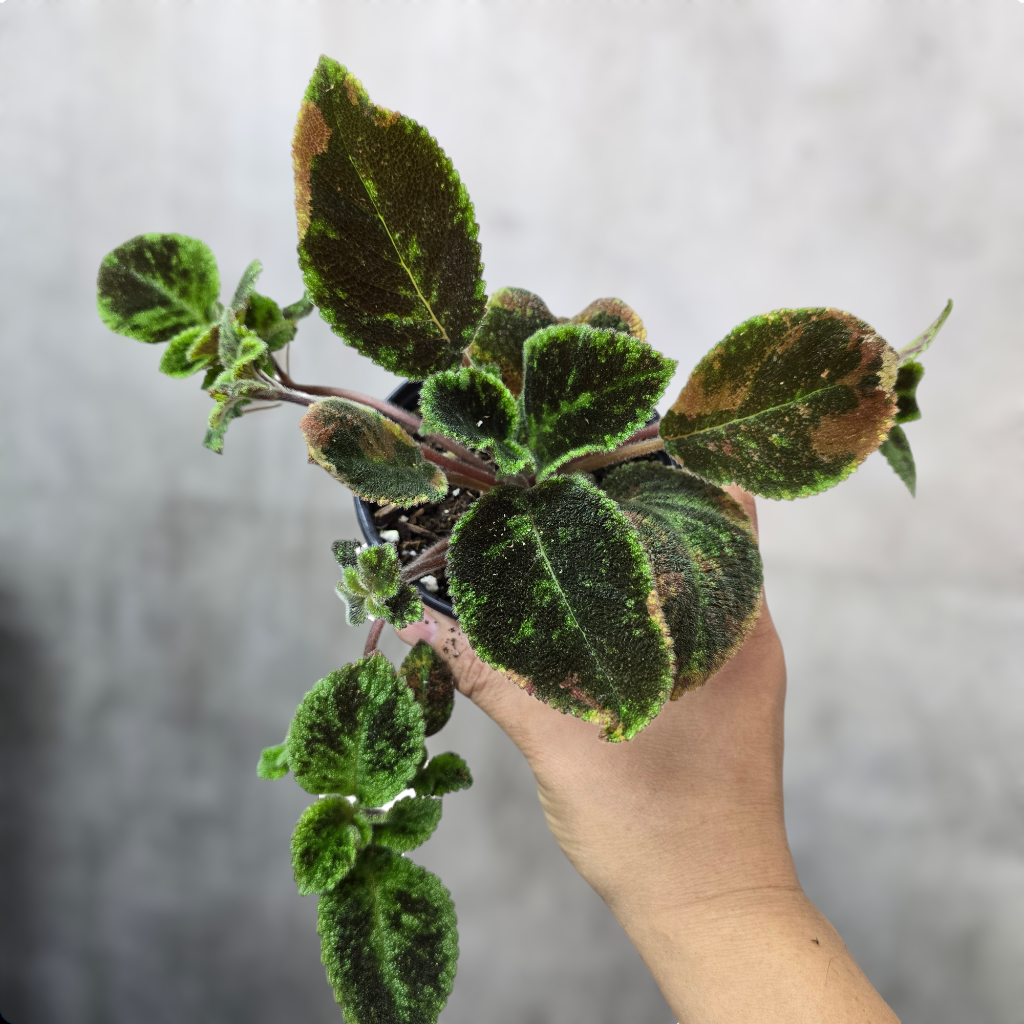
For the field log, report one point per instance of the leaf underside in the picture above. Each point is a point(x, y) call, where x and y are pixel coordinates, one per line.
point(410, 823)
point(551, 585)
point(706, 565)
point(427, 674)
point(387, 237)
point(787, 405)
point(896, 449)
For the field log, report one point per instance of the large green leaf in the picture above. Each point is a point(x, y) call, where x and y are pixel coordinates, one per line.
point(896, 449)
point(387, 237)
point(389, 941)
point(370, 454)
point(788, 404)
point(707, 568)
point(325, 843)
point(442, 774)
point(410, 823)
point(552, 586)
point(511, 316)
point(427, 674)
point(585, 390)
point(358, 732)
point(477, 409)
point(155, 287)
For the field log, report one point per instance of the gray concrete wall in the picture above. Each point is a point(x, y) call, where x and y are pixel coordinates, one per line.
point(163, 609)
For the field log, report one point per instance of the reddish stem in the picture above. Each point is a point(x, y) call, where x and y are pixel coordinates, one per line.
point(458, 472)
point(427, 561)
point(621, 454)
point(376, 628)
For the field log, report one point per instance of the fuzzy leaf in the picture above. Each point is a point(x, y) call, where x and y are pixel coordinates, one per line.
point(372, 587)
point(706, 565)
point(273, 762)
point(445, 773)
point(410, 823)
point(403, 609)
point(511, 316)
point(387, 237)
point(612, 315)
point(585, 390)
point(264, 317)
point(926, 337)
point(389, 941)
point(552, 586)
point(370, 454)
point(379, 568)
point(346, 552)
point(358, 732)
point(177, 360)
point(788, 404)
point(475, 408)
point(226, 410)
point(325, 843)
point(427, 674)
point(155, 287)
point(908, 376)
point(896, 449)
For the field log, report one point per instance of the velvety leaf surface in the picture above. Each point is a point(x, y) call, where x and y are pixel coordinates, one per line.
point(511, 316)
point(346, 552)
point(370, 454)
point(177, 360)
point(612, 315)
point(410, 823)
point(226, 410)
point(387, 237)
point(585, 390)
point(552, 586)
point(706, 565)
point(445, 773)
point(263, 317)
point(155, 287)
point(475, 408)
point(788, 404)
point(896, 449)
point(908, 376)
point(273, 762)
point(427, 674)
point(926, 337)
point(358, 732)
point(372, 587)
point(325, 843)
point(389, 941)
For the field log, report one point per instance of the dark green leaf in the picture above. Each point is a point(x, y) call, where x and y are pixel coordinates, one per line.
point(445, 773)
point(410, 823)
point(370, 454)
point(707, 569)
point(273, 762)
point(896, 449)
point(387, 237)
point(552, 586)
point(358, 732)
point(389, 941)
point(154, 287)
point(177, 360)
point(475, 408)
point(788, 404)
point(612, 315)
point(404, 608)
point(585, 390)
point(346, 552)
point(926, 337)
point(372, 587)
point(511, 316)
point(325, 843)
point(264, 317)
point(908, 376)
point(427, 674)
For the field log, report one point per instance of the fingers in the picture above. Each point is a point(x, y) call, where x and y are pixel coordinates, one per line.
point(746, 499)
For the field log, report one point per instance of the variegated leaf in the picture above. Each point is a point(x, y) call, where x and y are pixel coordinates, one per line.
point(612, 315)
point(427, 674)
point(409, 823)
point(325, 843)
point(896, 449)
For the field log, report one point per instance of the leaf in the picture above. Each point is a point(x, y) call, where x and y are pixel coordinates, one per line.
point(612, 315)
point(476, 409)
point(155, 287)
point(273, 762)
point(264, 317)
point(346, 552)
point(585, 390)
point(404, 608)
point(511, 316)
point(908, 376)
point(372, 587)
point(226, 410)
point(380, 569)
point(787, 405)
point(706, 565)
point(177, 360)
point(325, 843)
point(926, 337)
point(552, 586)
point(370, 454)
point(427, 674)
point(389, 941)
point(445, 773)
point(387, 237)
point(896, 449)
point(358, 732)
point(410, 823)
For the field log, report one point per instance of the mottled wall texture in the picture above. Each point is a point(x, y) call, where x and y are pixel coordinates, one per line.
point(162, 609)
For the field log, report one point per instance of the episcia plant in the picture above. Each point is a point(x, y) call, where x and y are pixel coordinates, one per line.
point(587, 548)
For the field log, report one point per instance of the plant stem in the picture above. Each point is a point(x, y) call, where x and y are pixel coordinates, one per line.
point(463, 454)
point(376, 628)
point(621, 454)
point(459, 473)
point(427, 561)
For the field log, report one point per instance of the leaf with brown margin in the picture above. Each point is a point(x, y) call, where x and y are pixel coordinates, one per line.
point(896, 449)
point(612, 315)
point(370, 454)
point(704, 556)
point(387, 237)
point(787, 405)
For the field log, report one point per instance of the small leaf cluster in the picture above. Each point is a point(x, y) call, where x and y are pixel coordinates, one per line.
point(372, 587)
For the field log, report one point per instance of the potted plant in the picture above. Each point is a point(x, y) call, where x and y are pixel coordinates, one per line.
point(520, 480)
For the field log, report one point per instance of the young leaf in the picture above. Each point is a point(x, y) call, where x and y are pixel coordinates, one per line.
point(612, 315)
point(325, 843)
point(226, 410)
point(585, 390)
point(346, 552)
point(552, 586)
point(403, 609)
point(475, 408)
point(706, 565)
point(445, 773)
point(926, 337)
point(389, 941)
point(177, 360)
point(370, 454)
point(908, 376)
point(273, 762)
point(427, 674)
point(264, 317)
point(358, 732)
point(511, 316)
point(379, 567)
point(155, 287)
point(896, 449)
point(788, 404)
point(372, 587)
point(410, 823)
point(387, 237)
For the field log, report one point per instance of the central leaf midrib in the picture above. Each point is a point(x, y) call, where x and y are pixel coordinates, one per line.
point(158, 286)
